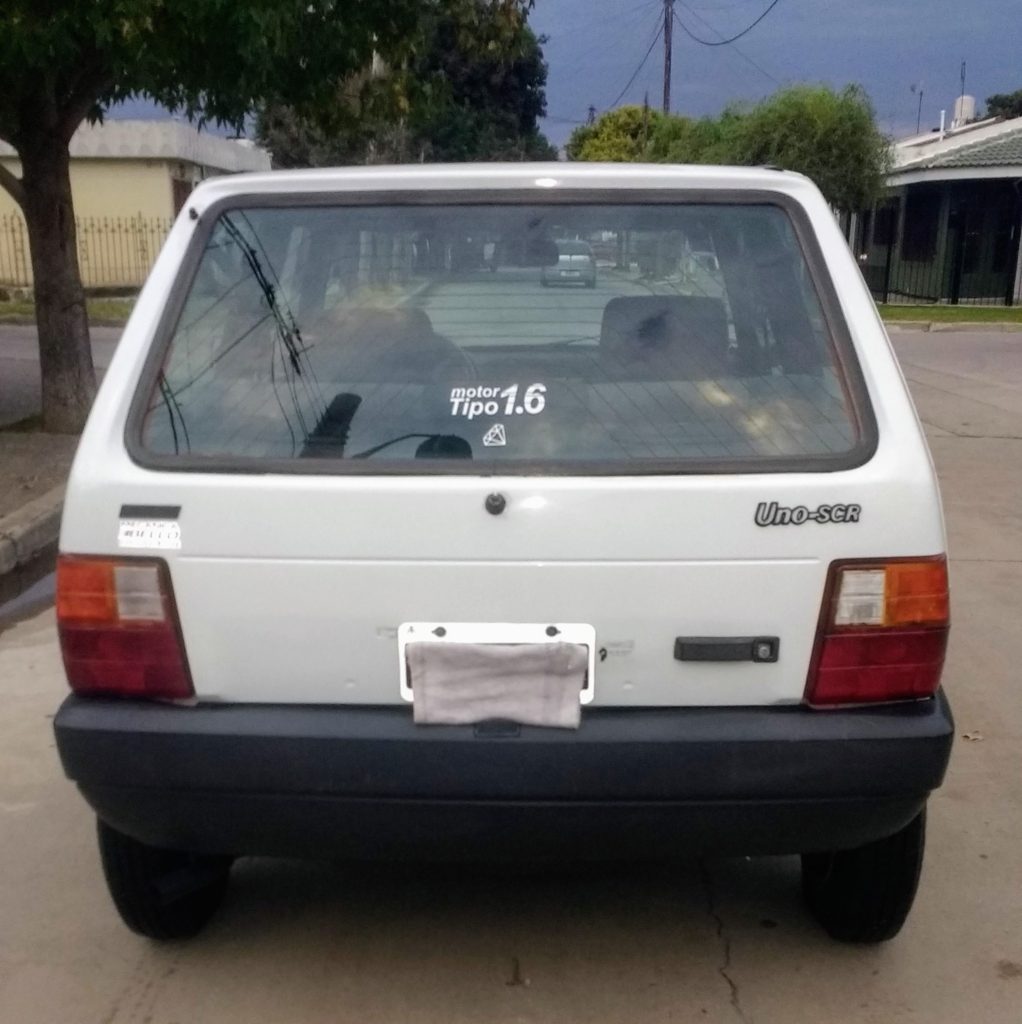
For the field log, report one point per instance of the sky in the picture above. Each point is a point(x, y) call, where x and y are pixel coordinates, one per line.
point(594, 46)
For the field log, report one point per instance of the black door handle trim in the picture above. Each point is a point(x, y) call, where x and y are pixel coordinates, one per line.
point(762, 649)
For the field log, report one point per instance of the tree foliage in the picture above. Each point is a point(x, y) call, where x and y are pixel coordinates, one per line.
point(63, 61)
point(620, 135)
point(829, 136)
point(471, 87)
point(1005, 104)
point(210, 59)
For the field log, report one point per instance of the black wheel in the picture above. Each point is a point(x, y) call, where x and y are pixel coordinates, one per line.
point(865, 894)
point(163, 894)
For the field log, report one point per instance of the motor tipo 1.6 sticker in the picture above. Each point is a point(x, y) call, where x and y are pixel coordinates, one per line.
point(483, 400)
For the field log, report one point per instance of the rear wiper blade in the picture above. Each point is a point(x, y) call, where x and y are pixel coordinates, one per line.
point(444, 446)
point(525, 346)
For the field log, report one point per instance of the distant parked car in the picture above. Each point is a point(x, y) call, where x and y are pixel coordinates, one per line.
point(576, 264)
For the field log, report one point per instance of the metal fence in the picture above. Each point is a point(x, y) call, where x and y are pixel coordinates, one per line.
point(113, 252)
point(956, 278)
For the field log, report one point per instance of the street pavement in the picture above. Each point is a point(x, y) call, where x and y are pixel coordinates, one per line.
point(512, 305)
point(19, 367)
point(724, 941)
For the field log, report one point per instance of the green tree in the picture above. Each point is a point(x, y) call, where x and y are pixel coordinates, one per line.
point(829, 136)
point(681, 140)
point(65, 61)
point(620, 135)
point(472, 87)
point(1005, 104)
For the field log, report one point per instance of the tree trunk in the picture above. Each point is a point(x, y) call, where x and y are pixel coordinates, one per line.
point(65, 357)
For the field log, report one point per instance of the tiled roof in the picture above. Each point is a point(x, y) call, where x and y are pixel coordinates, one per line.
point(1004, 150)
point(997, 152)
point(161, 140)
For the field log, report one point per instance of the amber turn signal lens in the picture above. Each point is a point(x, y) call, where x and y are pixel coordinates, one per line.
point(85, 590)
point(916, 594)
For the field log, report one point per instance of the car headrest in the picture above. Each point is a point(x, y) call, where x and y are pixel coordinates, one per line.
point(666, 337)
point(391, 345)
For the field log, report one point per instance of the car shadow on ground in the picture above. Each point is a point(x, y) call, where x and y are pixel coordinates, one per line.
point(468, 906)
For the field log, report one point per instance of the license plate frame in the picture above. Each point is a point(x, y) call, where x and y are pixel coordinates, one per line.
point(498, 633)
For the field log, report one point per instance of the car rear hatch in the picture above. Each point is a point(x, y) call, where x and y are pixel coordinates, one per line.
point(350, 435)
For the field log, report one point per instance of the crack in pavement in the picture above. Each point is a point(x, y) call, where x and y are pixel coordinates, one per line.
point(725, 968)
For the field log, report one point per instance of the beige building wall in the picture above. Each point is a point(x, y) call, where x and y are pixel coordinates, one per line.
point(128, 179)
point(114, 188)
point(123, 209)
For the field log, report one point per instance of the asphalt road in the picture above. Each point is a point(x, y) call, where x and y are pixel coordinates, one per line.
point(19, 367)
point(725, 941)
point(512, 305)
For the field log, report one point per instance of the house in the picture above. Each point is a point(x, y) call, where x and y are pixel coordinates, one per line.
point(950, 228)
point(129, 179)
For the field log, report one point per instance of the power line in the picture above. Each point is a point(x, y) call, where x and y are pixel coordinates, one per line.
point(633, 16)
point(741, 53)
point(734, 38)
point(642, 64)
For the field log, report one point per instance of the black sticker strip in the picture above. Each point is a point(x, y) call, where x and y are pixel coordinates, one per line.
point(150, 511)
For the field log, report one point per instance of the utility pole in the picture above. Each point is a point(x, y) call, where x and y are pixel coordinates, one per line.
point(668, 32)
point(591, 115)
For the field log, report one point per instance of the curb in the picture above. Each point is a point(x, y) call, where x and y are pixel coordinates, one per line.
point(981, 327)
point(28, 530)
point(950, 327)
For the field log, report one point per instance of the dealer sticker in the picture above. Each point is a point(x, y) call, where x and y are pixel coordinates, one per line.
point(163, 534)
point(483, 400)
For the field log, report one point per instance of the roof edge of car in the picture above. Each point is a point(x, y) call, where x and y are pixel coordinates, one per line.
point(541, 177)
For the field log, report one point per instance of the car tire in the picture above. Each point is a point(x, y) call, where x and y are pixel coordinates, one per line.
point(162, 894)
point(864, 895)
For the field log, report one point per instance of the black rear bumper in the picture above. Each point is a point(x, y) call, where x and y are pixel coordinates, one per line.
point(366, 781)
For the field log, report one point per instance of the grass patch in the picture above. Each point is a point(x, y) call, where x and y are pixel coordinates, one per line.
point(954, 314)
point(100, 310)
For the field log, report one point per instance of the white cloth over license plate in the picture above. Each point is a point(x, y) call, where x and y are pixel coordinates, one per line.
point(533, 684)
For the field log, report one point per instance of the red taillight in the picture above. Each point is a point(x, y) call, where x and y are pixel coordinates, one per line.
point(118, 627)
point(883, 632)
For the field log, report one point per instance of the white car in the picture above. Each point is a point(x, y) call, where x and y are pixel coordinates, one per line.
point(575, 264)
point(367, 553)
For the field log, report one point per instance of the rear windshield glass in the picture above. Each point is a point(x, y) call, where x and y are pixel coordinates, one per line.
point(418, 338)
